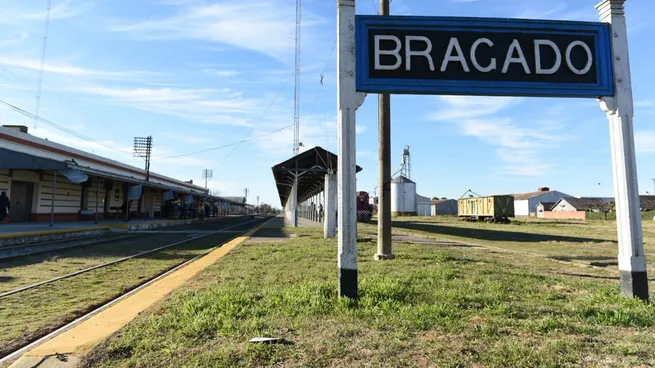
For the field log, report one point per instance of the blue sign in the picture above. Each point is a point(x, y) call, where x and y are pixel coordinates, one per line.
point(483, 56)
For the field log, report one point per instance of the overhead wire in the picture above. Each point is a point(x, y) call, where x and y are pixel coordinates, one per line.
point(261, 117)
point(228, 145)
point(318, 90)
point(59, 127)
point(43, 51)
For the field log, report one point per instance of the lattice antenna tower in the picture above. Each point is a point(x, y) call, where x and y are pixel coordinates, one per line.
point(43, 49)
point(296, 91)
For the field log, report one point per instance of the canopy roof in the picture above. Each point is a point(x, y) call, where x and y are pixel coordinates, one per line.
point(23, 161)
point(311, 167)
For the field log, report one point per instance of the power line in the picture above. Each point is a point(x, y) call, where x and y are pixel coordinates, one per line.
point(263, 114)
point(57, 126)
point(318, 90)
point(228, 145)
point(43, 49)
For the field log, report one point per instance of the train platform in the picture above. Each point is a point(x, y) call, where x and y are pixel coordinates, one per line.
point(25, 233)
point(67, 348)
point(303, 222)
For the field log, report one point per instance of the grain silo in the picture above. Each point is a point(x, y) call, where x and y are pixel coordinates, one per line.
point(403, 197)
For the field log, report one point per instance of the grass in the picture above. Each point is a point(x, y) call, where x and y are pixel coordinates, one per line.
point(591, 242)
point(27, 270)
point(31, 314)
point(446, 306)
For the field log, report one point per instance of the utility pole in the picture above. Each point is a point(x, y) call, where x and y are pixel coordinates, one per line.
point(143, 149)
point(384, 169)
point(653, 179)
point(207, 174)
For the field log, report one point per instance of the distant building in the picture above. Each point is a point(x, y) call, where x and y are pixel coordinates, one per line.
point(577, 208)
point(443, 207)
point(543, 207)
point(236, 199)
point(423, 205)
point(525, 204)
point(646, 203)
point(582, 204)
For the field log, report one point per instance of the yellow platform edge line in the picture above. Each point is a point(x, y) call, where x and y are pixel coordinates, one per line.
point(80, 339)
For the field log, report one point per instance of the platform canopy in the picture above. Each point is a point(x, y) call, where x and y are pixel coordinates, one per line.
point(311, 167)
point(23, 161)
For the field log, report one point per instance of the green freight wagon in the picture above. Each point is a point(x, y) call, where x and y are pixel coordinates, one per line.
point(489, 209)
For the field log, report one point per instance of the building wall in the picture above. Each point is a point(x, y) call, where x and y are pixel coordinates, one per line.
point(26, 143)
point(564, 207)
point(445, 208)
point(157, 205)
point(4, 181)
point(565, 215)
point(423, 209)
point(94, 193)
point(552, 196)
point(68, 195)
point(521, 208)
point(116, 196)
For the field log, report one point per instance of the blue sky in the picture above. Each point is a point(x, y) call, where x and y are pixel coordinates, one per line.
point(200, 74)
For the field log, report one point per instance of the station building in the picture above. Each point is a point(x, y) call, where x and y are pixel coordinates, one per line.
point(48, 181)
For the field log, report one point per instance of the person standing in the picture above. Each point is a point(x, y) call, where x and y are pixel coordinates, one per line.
point(5, 206)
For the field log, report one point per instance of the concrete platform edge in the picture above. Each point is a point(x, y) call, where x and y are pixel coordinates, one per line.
point(59, 234)
point(40, 356)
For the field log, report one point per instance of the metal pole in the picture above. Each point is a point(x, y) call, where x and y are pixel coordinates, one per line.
point(619, 109)
point(384, 168)
point(52, 205)
point(348, 101)
point(97, 186)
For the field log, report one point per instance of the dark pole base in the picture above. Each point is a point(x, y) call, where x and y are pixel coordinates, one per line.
point(348, 283)
point(634, 284)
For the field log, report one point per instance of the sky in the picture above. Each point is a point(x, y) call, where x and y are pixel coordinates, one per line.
point(199, 75)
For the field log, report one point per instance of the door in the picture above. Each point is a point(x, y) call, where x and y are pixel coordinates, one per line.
point(21, 201)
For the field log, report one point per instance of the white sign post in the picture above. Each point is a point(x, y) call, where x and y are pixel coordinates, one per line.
point(348, 101)
point(586, 68)
point(619, 109)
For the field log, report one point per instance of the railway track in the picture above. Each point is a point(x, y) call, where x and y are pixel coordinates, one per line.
point(62, 244)
point(29, 249)
point(128, 272)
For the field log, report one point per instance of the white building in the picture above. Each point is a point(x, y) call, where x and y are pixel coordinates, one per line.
point(423, 205)
point(444, 207)
point(525, 204)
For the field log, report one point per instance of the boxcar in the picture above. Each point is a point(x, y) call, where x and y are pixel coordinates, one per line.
point(490, 209)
